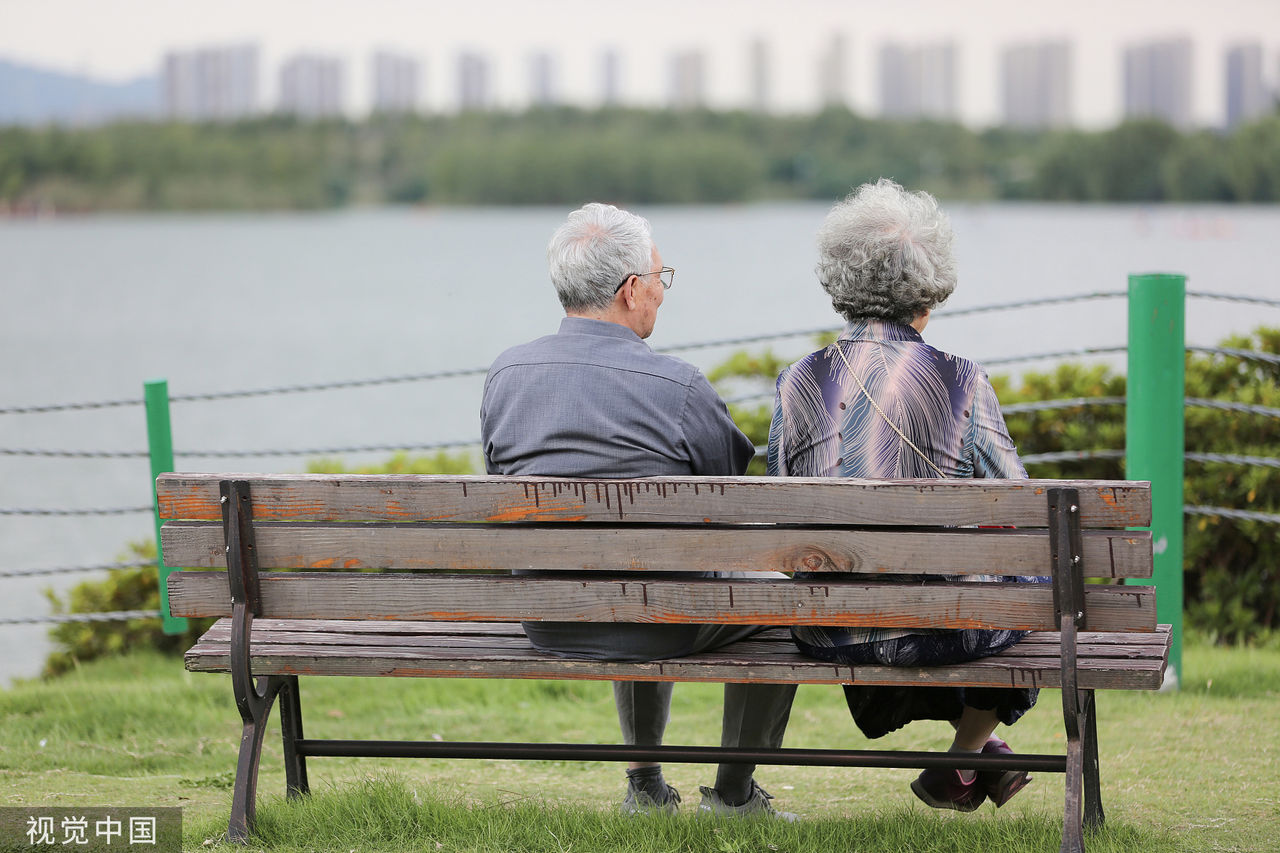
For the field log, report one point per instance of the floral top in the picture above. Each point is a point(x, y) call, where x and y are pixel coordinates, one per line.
point(825, 426)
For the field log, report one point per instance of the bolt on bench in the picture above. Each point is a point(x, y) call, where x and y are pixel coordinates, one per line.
point(460, 619)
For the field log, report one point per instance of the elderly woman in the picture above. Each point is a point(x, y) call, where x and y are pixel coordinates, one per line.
point(881, 403)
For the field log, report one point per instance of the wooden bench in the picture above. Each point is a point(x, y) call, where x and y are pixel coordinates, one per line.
point(459, 619)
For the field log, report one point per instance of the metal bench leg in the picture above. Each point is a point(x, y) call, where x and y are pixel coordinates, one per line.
point(1093, 815)
point(1072, 831)
point(1065, 548)
point(244, 796)
point(295, 765)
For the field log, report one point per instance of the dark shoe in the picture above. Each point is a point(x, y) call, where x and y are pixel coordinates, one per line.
point(757, 805)
point(637, 802)
point(942, 788)
point(1001, 785)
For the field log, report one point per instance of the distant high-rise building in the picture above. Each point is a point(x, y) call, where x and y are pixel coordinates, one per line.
point(396, 82)
point(919, 81)
point(832, 80)
point(610, 78)
point(688, 80)
point(210, 84)
point(473, 82)
point(760, 74)
point(1157, 81)
point(1036, 84)
point(1247, 95)
point(311, 86)
point(542, 80)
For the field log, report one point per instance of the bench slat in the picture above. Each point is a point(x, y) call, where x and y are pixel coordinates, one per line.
point(1038, 645)
point(346, 497)
point(736, 662)
point(340, 595)
point(266, 626)
point(1107, 554)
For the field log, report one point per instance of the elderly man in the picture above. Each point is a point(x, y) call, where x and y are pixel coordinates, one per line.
point(593, 400)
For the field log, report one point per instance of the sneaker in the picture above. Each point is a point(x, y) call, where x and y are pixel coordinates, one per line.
point(1001, 785)
point(757, 805)
point(637, 802)
point(943, 788)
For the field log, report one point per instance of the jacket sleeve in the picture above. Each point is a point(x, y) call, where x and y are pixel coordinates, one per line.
point(715, 444)
point(777, 462)
point(992, 451)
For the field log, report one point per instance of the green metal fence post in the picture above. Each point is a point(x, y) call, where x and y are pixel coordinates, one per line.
point(1154, 435)
point(160, 441)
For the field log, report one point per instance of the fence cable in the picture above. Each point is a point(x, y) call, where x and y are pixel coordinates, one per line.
point(327, 451)
point(1245, 354)
point(67, 570)
point(1230, 406)
point(76, 454)
point(1224, 512)
point(58, 619)
point(1070, 456)
point(116, 510)
point(1226, 297)
point(1234, 459)
point(736, 341)
point(1068, 403)
point(1045, 356)
point(1011, 409)
point(69, 407)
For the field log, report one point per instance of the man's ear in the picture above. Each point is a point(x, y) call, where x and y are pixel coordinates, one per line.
point(628, 292)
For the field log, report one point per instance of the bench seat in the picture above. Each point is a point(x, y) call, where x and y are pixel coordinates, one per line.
point(1133, 661)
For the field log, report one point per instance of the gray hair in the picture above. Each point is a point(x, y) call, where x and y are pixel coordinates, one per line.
point(598, 247)
point(885, 253)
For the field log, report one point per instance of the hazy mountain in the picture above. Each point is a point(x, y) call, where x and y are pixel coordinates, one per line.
point(31, 95)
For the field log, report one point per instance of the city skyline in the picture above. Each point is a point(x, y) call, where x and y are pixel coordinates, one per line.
point(792, 43)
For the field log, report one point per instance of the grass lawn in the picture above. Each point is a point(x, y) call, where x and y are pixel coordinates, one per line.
point(1197, 770)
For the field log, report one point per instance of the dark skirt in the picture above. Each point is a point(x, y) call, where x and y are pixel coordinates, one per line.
point(880, 710)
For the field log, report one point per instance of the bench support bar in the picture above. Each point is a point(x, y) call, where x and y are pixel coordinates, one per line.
point(674, 754)
point(254, 697)
point(1083, 785)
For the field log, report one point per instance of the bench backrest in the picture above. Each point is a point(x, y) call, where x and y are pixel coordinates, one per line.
point(465, 529)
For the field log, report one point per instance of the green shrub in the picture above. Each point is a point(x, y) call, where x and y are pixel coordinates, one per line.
point(122, 589)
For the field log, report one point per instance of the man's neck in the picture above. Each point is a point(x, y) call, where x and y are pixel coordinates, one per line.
point(613, 315)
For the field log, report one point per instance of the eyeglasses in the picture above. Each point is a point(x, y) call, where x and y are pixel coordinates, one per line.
point(666, 275)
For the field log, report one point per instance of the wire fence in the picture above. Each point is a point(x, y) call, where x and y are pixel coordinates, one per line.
point(468, 372)
point(1058, 457)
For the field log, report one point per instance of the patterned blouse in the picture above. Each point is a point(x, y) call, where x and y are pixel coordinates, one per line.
point(824, 425)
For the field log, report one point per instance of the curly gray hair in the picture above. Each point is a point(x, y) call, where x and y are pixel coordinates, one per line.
point(596, 248)
point(885, 253)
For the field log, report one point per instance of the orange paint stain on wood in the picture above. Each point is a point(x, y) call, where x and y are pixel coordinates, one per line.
point(538, 512)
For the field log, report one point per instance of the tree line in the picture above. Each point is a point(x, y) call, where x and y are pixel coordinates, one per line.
point(567, 155)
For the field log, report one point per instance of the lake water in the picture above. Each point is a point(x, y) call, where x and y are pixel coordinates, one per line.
point(92, 307)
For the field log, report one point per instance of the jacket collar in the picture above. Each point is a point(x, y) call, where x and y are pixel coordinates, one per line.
point(599, 328)
point(866, 329)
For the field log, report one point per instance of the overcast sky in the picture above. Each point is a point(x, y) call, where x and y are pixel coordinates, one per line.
point(121, 39)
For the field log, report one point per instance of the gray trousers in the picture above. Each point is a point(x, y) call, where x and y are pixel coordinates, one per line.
point(755, 715)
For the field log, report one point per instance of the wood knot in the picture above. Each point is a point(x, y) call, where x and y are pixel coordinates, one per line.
point(813, 562)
